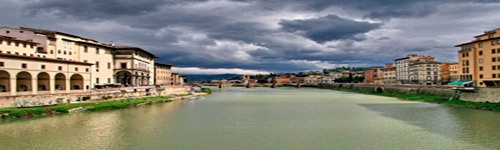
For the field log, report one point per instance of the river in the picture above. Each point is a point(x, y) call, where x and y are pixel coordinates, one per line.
point(263, 118)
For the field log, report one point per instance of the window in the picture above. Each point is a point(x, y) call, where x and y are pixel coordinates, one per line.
point(494, 75)
point(493, 51)
point(43, 66)
point(1, 64)
point(480, 45)
point(64, 53)
point(69, 53)
point(16, 53)
point(123, 65)
point(480, 76)
point(59, 68)
point(493, 43)
point(96, 50)
point(109, 80)
point(97, 64)
point(86, 69)
point(76, 68)
point(7, 32)
point(498, 50)
point(493, 59)
point(23, 65)
point(16, 43)
point(491, 36)
point(51, 51)
point(109, 65)
point(480, 53)
point(481, 68)
point(59, 51)
point(8, 43)
point(97, 80)
point(494, 68)
point(85, 49)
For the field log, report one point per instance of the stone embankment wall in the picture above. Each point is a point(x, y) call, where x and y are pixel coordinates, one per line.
point(98, 94)
point(480, 95)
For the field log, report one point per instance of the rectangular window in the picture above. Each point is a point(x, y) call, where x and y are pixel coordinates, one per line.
point(480, 45)
point(493, 59)
point(494, 68)
point(1, 64)
point(59, 68)
point(498, 50)
point(480, 53)
point(109, 65)
point(480, 68)
point(123, 65)
point(86, 69)
point(494, 75)
point(76, 68)
point(97, 80)
point(85, 49)
point(96, 50)
point(96, 64)
point(480, 76)
point(109, 80)
point(24, 65)
point(43, 66)
point(493, 51)
point(8, 43)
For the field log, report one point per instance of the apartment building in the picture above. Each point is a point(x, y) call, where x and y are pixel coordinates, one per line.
point(389, 74)
point(20, 42)
point(403, 66)
point(425, 73)
point(445, 73)
point(479, 60)
point(163, 74)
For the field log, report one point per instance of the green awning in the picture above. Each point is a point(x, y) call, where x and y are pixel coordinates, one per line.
point(459, 82)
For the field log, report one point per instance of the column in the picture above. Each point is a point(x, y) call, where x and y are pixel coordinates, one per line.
point(52, 84)
point(13, 85)
point(34, 85)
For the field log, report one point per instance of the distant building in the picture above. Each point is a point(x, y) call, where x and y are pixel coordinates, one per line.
point(403, 66)
point(389, 74)
point(163, 74)
point(425, 73)
point(328, 79)
point(313, 79)
point(445, 73)
point(280, 80)
point(373, 75)
point(297, 79)
point(454, 76)
point(479, 60)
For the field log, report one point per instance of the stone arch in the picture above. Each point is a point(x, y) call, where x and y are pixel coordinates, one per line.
point(76, 82)
point(43, 80)
point(379, 90)
point(23, 81)
point(60, 82)
point(124, 77)
point(4, 81)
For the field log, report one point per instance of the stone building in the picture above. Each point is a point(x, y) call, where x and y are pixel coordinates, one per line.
point(63, 46)
point(163, 74)
point(389, 74)
point(29, 75)
point(425, 73)
point(403, 66)
point(445, 73)
point(479, 60)
point(134, 66)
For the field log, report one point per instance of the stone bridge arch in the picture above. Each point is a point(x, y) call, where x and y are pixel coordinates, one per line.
point(379, 89)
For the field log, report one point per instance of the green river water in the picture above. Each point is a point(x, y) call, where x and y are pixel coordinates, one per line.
point(263, 118)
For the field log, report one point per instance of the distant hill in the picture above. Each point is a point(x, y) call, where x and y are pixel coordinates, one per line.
point(210, 77)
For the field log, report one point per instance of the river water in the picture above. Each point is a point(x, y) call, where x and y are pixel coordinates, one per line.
point(263, 118)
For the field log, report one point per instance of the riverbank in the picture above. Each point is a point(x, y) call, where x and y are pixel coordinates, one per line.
point(16, 112)
point(430, 99)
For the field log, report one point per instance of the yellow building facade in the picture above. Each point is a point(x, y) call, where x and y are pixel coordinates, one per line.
point(479, 60)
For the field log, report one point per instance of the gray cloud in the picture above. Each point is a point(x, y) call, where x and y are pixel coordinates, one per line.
point(328, 28)
point(274, 36)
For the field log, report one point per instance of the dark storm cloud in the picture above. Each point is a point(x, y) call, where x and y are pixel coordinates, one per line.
point(275, 36)
point(328, 28)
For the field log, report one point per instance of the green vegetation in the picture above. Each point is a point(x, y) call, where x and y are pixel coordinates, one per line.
point(431, 99)
point(64, 108)
point(206, 90)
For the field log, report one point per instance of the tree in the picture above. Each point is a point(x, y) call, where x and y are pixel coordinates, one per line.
point(350, 78)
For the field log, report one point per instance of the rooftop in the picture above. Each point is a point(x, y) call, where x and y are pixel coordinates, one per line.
point(44, 59)
point(136, 48)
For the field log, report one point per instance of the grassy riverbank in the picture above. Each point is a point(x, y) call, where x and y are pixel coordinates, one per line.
point(64, 108)
point(431, 99)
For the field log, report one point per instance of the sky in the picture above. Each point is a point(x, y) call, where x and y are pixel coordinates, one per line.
point(262, 36)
